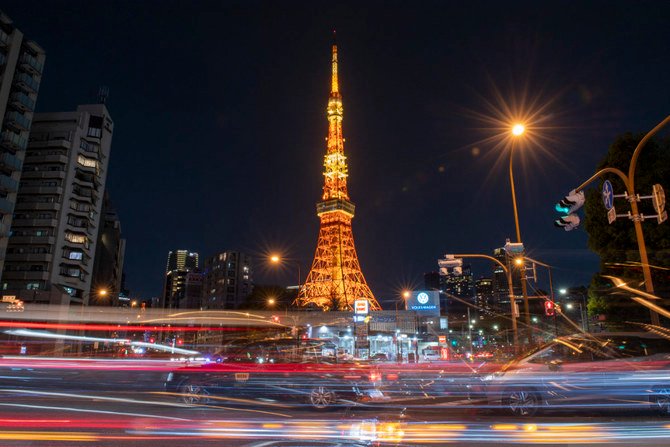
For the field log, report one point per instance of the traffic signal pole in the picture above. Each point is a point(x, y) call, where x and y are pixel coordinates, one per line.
point(510, 287)
point(629, 183)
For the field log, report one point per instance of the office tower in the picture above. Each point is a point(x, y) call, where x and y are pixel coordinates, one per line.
point(181, 260)
point(57, 217)
point(179, 264)
point(109, 254)
point(484, 296)
point(227, 280)
point(21, 64)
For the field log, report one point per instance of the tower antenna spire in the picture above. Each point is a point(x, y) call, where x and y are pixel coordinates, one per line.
point(334, 87)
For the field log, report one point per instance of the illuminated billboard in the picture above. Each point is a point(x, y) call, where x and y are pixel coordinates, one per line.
point(425, 302)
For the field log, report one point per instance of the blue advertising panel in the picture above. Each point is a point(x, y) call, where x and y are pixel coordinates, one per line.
point(425, 302)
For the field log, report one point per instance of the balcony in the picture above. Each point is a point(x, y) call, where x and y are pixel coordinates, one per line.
point(43, 174)
point(17, 121)
point(29, 206)
point(13, 141)
point(32, 240)
point(22, 102)
point(8, 184)
point(41, 223)
point(4, 39)
point(10, 161)
point(46, 190)
point(62, 159)
point(29, 257)
point(6, 207)
point(25, 275)
point(30, 64)
point(26, 83)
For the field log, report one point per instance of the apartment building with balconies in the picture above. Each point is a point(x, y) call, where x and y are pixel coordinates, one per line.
point(57, 217)
point(21, 65)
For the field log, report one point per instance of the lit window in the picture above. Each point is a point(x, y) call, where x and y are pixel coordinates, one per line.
point(76, 238)
point(77, 255)
point(88, 162)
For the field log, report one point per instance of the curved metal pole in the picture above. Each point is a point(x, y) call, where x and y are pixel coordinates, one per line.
point(602, 172)
point(510, 288)
point(524, 288)
point(638, 149)
point(511, 182)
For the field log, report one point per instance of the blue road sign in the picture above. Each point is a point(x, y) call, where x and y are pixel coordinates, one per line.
point(608, 195)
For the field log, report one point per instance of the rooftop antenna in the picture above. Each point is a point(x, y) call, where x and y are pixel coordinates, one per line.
point(103, 94)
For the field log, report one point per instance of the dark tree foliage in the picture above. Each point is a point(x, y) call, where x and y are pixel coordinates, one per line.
point(260, 298)
point(616, 243)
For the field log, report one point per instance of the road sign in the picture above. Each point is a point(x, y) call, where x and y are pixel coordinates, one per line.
point(611, 215)
point(658, 198)
point(608, 195)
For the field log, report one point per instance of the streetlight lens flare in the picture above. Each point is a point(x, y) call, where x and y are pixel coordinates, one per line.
point(274, 258)
point(518, 129)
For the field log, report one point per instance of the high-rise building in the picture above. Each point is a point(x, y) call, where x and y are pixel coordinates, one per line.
point(192, 291)
point(227, 280)
point(109, 253)
point(500, 287)
point(335, 279)
point(456, 278)
point(181, 260)
point(57, 217)
point(484, 296)
point(21, 65)
point(179, 264)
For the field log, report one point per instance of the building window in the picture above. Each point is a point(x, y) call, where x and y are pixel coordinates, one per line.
point(33, 286)
point(87, 162)
point(76, 238)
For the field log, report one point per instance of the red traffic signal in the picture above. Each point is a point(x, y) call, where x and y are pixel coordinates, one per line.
point(549, 308)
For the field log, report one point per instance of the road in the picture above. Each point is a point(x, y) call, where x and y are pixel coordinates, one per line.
point(30, 417)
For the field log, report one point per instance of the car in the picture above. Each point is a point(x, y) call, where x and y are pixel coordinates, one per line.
point(618, 370)
point(277, 372)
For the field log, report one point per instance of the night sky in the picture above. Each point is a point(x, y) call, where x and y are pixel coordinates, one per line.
point(219, 111)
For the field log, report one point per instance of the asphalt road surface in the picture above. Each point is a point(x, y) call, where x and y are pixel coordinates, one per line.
point(30, 417)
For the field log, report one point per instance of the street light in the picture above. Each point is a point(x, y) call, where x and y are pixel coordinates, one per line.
point(276, 259)
point(582, 316)
point(271, 302)
point(517, 130)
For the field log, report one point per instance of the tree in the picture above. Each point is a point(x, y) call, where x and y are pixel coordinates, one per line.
point(268, 298)
point(616, 243)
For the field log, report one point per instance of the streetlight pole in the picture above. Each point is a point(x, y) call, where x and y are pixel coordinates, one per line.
point(518, 130)
point(276, 259)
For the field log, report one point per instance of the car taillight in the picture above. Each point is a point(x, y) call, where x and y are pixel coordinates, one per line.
point(392, 377)
point(374, 377)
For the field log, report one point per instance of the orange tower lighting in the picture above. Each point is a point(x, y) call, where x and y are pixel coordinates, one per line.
point(335, 280)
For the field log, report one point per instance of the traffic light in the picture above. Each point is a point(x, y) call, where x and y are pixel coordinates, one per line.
point(568, 223)
point(568, 205)
point(571, 203)
point(549, 308)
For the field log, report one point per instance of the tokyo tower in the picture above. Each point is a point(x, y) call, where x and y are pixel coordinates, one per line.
point(335, 280)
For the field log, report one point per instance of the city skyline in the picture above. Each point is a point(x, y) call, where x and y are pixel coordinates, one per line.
point(188, 129)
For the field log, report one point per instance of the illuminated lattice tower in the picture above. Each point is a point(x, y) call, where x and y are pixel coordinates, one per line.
point(335, 280)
